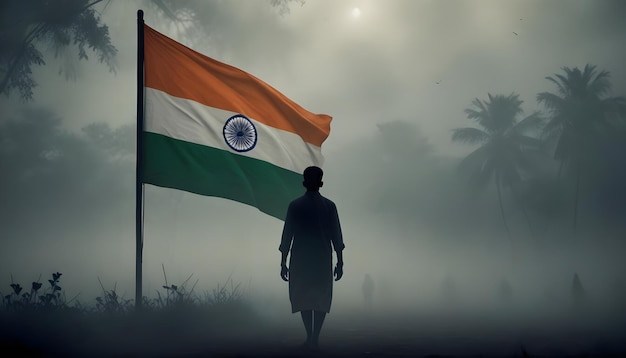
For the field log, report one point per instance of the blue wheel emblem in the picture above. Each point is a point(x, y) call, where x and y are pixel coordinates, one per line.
point(239, 133)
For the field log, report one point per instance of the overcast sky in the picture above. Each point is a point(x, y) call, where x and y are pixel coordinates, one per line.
point(364, 62)
point(381, 66)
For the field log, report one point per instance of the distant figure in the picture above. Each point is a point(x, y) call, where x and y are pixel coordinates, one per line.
point(368, 289)
point(311, 226)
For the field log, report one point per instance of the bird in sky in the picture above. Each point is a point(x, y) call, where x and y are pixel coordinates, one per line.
point(515, 33)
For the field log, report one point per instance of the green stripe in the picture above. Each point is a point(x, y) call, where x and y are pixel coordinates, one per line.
point(172, 163)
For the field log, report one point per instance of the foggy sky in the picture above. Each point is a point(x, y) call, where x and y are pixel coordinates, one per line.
point(379, 68)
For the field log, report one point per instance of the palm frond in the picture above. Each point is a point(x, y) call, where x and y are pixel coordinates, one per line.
point(553, 129)
point(589, 68)
point(558, 84)
point(600, 85)
point(527, 143)
point(469, 135)
point(551, 101)
point(479, 114)
point(497, 114)
point(514, 100)
point(530, 123)
point(473, 114)
point(479, 103)
point(503, 110)
point(565, 81)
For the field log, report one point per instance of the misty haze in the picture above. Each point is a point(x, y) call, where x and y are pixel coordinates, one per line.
point(476, 157)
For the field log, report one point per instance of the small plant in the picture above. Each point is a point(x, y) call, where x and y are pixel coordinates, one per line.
point(111, 302)
point(39, 315)
point(176, 295)
point(51, 298)
point(177, 299)
point(222, 294)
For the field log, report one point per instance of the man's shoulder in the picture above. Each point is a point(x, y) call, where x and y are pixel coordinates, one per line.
point(297, 202)
point(328, 201)
point(329, 204)
point(307, 199)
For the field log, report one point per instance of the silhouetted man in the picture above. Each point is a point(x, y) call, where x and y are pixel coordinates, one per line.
point(311, 226)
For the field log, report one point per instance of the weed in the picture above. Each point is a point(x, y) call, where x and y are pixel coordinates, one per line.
point(42, 318)
point(177, 299)
point(223, 295)
point(176, 295)
point(111, 302)
point(51, 298)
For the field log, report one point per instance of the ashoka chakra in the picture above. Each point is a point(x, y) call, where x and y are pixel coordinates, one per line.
point(239, 133)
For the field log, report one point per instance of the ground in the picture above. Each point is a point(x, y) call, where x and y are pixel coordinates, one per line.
point(414, 336)
point(355, 334)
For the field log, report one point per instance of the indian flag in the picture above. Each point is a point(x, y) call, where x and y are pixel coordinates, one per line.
point(213, 129)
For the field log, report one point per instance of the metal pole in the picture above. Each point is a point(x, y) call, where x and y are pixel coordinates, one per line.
point(139, 173)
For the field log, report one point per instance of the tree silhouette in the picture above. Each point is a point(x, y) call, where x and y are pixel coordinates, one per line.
point(29, 25)
point(504, 143)
point(580, 115)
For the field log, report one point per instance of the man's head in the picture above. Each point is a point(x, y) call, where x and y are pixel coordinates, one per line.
point(313, 178)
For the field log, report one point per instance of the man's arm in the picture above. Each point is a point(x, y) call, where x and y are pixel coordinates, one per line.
point(284, 251)
point(340, 258)
point(286, 237)
point(339, 268)
point(337, 235)
point(283, 259)
point(285, 245)
point(338, 245)
point(284, 271)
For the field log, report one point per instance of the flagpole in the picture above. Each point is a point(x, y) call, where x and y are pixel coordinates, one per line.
point(139, 173)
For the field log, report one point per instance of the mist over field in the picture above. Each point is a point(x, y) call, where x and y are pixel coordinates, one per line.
point(489, 248)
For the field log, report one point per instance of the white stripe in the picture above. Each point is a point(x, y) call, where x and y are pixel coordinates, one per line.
point(193, 122)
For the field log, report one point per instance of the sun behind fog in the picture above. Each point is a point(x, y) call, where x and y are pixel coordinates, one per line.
point(356, 12)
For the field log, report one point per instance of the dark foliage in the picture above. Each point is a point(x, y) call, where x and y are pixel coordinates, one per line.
point(28, 26)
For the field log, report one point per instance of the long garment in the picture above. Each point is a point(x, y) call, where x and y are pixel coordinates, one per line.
point(311, 226)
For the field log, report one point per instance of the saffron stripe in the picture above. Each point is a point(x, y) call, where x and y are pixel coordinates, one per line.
point(182, 72)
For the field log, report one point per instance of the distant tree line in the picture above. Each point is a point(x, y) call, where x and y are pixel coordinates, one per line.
point(583, 131)
point(543, 176)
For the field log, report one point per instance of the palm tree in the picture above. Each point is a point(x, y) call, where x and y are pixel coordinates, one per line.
point(504, 145)
point(579, 114)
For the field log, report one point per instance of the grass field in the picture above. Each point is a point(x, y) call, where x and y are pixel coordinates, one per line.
point(178, 322)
